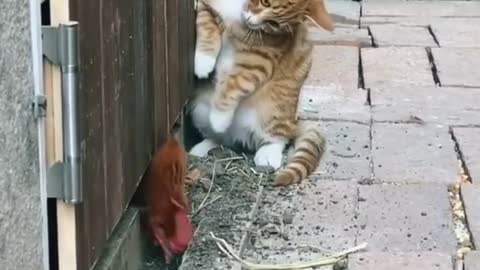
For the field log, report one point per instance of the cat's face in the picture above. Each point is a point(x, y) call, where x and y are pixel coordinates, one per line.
point(278, 16)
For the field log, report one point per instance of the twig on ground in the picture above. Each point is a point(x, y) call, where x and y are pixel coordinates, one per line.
point(231, 169)
point(249, 179)
point(317, 248)
point(282, 225)
point(331, 260)
point(229, 159)
point(251, 219)
point(206, 204)
point(210, 188)
point(228, 165)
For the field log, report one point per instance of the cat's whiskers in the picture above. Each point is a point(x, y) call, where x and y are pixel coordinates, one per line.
point(289, 29)
point(260, 36)
point(253, 36)
point(248, 37)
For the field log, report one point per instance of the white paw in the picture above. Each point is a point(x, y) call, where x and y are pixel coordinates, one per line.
point(220, 121)
point(204, 64)
point(270, 155)
point(202, 148)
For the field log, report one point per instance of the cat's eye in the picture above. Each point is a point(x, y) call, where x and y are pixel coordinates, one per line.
point(265, 3)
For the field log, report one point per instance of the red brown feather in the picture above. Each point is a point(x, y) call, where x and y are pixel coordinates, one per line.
point(167, 207)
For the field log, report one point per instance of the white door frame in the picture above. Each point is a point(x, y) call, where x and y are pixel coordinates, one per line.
point(37, 69)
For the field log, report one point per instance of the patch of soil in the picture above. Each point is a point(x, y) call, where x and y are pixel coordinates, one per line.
point(222, 189)
point(234, 184)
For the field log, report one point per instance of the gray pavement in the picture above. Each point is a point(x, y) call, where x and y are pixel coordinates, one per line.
point(396, 90)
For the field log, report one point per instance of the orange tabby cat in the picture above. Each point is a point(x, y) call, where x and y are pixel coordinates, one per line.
point(261, 56)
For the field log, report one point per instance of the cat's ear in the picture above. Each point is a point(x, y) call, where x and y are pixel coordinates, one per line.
point(318, 14)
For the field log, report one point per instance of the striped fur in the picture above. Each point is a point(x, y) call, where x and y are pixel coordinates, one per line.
point(307, 152)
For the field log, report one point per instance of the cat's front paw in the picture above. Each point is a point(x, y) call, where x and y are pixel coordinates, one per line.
point(219, 120)
point(204, 64)
point(202, 148)
point(270, 155)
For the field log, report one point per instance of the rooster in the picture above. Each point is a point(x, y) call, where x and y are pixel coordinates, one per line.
point(167, 219)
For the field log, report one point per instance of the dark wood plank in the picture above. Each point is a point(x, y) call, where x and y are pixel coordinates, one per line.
point(128, 100)
point(174, 76)
point(113, 59)
point(137, 66)
point(157, 68)
point(91, 232)
point(143, 96)
point(186, 19)
point(180, 47)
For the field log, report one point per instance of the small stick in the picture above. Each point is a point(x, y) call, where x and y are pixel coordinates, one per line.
point(207, 204)
point(244, 173)
point(317, 248)
point(251, 219)
point(331, 260)
point(229, 159)
point(232, 168)
point(210, 188)
point(282, 225)
point(260, 179)
point(228, 165)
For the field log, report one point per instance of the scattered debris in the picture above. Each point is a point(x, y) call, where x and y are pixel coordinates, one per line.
point(459, 222)
point(416, 120)
point(194, 176)
point(224, 199)
point(323, 261)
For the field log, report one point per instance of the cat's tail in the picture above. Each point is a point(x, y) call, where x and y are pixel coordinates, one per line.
point(308, 150)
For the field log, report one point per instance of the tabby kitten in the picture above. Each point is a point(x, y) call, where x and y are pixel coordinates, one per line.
point(261, 55)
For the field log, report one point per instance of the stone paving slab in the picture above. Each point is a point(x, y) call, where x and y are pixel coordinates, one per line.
point(348, 152)
point(416, 21)
point(468, 140)
point(471, 199)
point(337, 65)
point(344, 13)
point(405, 261)
point(406, 218)
point(397, 35)
point(421, 8)
point(472, 261)
point(333, 102)
point(451, 34)
point(396, 65)
point(458, 66)
point(411, 153)
point(341, 36)
point(318, 214)
point(439, 105)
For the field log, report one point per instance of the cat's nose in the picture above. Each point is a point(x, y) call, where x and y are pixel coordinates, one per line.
point(247, 15)
point(252, 19)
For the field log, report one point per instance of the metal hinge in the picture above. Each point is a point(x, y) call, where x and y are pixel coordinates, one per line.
point(60, 46)
point(39, 106)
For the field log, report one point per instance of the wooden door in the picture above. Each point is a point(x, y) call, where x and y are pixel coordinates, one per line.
point(135, 76)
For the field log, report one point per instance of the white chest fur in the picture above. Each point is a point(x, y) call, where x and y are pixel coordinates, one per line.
point(226, 58)
point(229, 10)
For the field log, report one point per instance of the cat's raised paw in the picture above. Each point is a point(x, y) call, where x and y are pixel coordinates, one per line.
point(202, 148)
point(270, 155)
point(220, 121)
point(204, 64)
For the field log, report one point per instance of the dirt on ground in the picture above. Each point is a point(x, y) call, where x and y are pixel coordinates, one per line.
point(223, 188)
